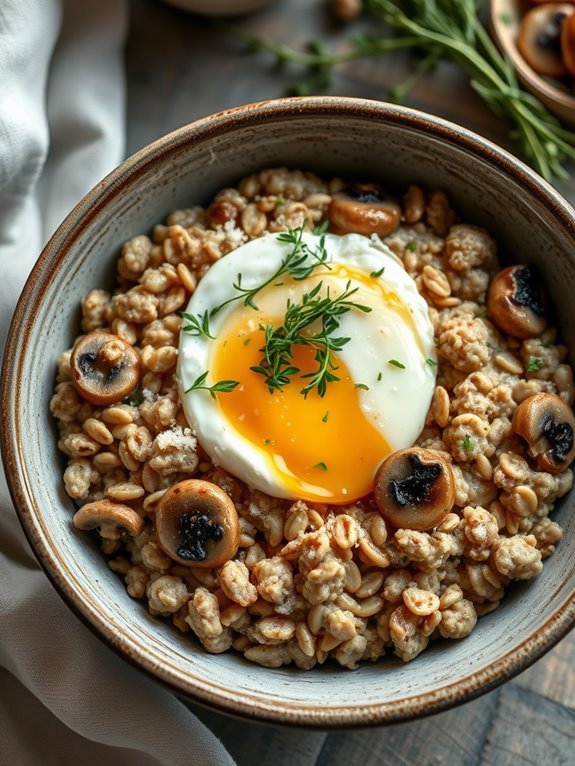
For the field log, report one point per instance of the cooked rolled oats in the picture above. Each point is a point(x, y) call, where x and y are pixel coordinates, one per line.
point(312, 582)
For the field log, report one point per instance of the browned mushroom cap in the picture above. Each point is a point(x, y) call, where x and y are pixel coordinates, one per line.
point(539, 38)
point(363, 209)
point(414, 488)
point(197, 524)
point(547, 424)
point(111, 518)
point(568, 43)
point(516, 302)
point(105, 368)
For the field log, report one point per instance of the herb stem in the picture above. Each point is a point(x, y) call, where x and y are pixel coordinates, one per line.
point(320, 59)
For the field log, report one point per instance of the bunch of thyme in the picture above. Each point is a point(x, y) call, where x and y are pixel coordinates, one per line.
point(449, 30)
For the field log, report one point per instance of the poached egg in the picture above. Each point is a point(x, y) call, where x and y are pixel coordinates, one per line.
point(287, 442)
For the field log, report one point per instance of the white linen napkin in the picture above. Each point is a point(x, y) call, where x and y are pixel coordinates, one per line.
point(64, 696)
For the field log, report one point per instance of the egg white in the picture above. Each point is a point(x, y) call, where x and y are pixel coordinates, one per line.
point(396, 400)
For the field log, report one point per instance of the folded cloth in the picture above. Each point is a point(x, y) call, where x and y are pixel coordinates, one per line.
point(65, 697)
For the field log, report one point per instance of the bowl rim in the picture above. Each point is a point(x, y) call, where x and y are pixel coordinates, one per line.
point(194, 688)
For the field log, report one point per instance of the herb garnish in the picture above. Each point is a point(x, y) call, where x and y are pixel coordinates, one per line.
point(325, 417)
point(468, 444)
point(534, 364)
point(277, 363)
point(198, 325)
point(431, 362)
point(395, 363)
point(322, 466)
point(376, 274)
point(362, 386)
point(222, 386)
point(379, 376)
point(445, 30)
point(298, 263)
point(411, 246)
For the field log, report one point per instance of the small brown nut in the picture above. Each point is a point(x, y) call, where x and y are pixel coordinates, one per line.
point(362, 209)
point(516, 302)
point(197, 524)
point(105, 368)
point(547, 424)
point(414, 488)
point(105, 513)
point(345, 10)
point(538, 39)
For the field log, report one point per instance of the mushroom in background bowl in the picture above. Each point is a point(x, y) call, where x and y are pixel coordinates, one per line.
point(539, 38)
point(348, 138)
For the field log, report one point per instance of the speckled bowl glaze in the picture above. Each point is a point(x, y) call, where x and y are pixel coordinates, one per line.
point(331, 136)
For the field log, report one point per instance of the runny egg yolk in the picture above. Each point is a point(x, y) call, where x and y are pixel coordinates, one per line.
point(322, 447)
point(319, 448)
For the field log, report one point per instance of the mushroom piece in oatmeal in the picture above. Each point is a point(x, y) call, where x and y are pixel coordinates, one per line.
point(451, 520)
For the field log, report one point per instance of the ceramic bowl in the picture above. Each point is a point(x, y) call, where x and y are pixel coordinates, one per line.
point(505, 18)
point(330, 136)
point(218, 7)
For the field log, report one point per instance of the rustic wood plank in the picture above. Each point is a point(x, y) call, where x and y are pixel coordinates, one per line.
point(253, 744)
point(554, 675)
point(528, 729)
point(454, 737)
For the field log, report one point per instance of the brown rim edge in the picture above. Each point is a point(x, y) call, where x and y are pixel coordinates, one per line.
point(467, 688)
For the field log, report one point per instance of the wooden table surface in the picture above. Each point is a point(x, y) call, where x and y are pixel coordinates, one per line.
point(182, 67)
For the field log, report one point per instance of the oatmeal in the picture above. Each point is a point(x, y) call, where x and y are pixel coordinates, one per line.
point(450, 518)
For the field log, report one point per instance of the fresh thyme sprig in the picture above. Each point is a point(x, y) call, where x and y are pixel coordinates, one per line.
point(277, 365)
point(198, 325)
point(446, 30)
point(298, 263)
point(318, 60)
point(453, 29)
point(222, 386)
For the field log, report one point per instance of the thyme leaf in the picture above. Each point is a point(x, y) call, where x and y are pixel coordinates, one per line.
point(222, 386)
point(534, 364)
point(198, 325)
